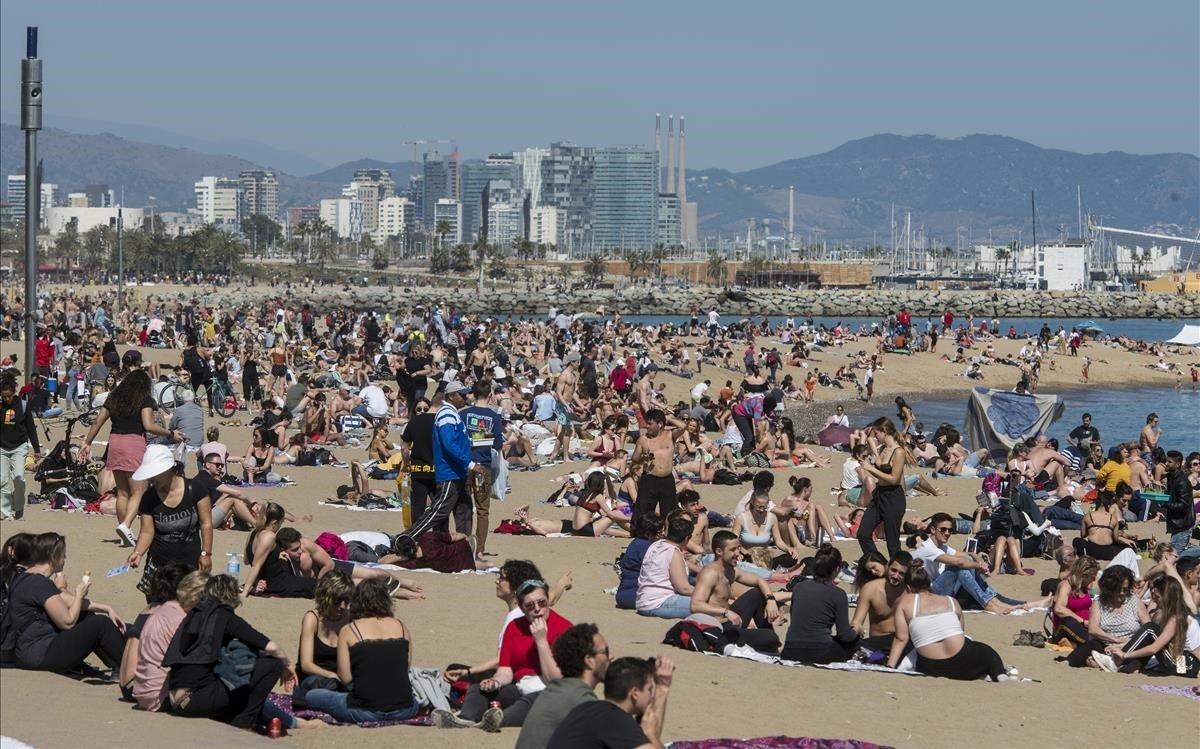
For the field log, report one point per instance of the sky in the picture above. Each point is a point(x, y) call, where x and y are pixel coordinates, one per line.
point(759, 82)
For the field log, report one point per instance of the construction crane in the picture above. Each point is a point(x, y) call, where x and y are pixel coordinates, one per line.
point(425, 142)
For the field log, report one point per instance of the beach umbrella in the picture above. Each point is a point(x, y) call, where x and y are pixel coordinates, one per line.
point(834, 434)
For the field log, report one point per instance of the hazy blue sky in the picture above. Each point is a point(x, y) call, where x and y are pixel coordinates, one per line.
point(759, 82)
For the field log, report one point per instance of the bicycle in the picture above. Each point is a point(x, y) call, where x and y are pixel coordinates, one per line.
point(221, 398)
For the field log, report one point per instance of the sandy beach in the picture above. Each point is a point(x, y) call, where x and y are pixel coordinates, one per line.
point(712, 697)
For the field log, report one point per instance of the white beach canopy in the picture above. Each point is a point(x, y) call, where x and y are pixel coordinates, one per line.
point(1189, 336)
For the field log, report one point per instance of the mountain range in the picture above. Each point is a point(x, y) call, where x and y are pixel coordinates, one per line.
point(981, 182)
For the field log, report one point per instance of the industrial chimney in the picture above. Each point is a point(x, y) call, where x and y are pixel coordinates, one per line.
point(683, 209)
point(670, 154)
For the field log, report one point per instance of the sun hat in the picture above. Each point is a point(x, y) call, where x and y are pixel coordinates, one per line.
point(156, 460)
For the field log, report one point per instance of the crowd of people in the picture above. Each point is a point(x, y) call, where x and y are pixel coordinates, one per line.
point(472, 400)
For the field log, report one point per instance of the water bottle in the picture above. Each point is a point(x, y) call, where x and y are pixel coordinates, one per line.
point(406, 497)
point(233, 567)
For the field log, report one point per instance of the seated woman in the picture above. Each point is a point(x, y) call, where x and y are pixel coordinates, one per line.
point(857, 485)
point(194, 688)
point(1169, 644)
point(149, 680)
point(801, 511)
point(1073, 602)
point(526, 664)
point(790, 448)
point(596, 513)
point(818, 607)
point(629, 565)
point(759, 528)
point(54, 629)
point(663, 587)
point(937, 634)
point(608, 451)
point(1100, 537)
point(374, 652)
point(161, 589)
point(259, 459)
point(319, 628)
point(1113, 618)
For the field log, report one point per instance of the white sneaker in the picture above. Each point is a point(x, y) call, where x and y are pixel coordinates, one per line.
point(126, 535)
point(1105, 662)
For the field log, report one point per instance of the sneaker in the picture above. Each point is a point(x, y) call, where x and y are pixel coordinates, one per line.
point(492, 719)
point(1105, 662)
point(126, 535)
point(447, 719)
point(1025, 638)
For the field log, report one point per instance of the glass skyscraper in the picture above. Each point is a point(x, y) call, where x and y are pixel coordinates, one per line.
point(625, 205)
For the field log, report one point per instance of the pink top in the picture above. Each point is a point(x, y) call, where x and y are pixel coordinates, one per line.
point(214, 447)
point(150, 678)
point(654, 580)
point(1080, 605)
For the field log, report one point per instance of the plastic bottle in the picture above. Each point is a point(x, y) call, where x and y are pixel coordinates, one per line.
point(406, 498)
point(233, 567)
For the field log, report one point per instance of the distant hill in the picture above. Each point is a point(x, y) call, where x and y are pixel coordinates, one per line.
point(981, 182)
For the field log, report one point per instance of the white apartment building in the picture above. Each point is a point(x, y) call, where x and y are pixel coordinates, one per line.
point(529, 172)
point(344, 216)
point(450, 211)
point(77, 200)
point(543, 225)
point(1153, 260)
point(1062, 266)
point(15, 192)
point(397, 217)
point(219, 200)
point(57, 218)
point(504, 224)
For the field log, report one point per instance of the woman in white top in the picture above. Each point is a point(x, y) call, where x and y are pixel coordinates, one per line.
point(857, 484)
point(1115, 616)
point(934, 624)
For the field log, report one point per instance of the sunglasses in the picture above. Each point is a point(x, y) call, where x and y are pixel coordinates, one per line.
point(945, 530)
point(534, 604)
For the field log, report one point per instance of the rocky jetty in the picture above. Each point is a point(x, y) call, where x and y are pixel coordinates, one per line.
point(741, 302)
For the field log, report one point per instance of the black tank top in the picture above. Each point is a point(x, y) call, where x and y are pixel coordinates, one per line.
point(324, 655)
point(380, 670)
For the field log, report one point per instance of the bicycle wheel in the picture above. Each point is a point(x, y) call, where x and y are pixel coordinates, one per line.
point(223, 401)
point(172, 396)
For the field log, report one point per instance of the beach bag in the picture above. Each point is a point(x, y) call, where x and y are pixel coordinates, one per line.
point(333, 545)
point(702, 638)
point(726, 477)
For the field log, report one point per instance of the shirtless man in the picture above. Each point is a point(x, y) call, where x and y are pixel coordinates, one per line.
point(689, 502)
point(1150, 434)
point(655, 447)
point(877, 603)
point(645, 390)
point(339, 404)
point(1139, 479)
point(1048, 465)
point(480, 358)
point(712, 594)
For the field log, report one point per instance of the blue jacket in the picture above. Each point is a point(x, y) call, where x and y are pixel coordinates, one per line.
point(451, 445)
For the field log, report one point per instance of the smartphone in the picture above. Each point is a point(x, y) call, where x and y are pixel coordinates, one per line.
point(972, 546)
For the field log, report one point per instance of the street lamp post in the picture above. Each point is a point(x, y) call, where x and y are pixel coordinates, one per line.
point(31, 122)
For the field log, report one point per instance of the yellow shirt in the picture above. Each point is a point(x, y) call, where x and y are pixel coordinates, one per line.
point(1113, 473)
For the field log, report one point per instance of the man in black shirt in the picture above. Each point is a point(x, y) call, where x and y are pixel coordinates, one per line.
point(18, 434)
point(418, 448)
point(631, 714)
point(1084, 431)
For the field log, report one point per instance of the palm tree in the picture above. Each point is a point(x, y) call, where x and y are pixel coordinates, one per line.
point(638, 261)
point(657, 257)
point(442, 229)
point(67, 245)
point(595, 266)
point(717, 268)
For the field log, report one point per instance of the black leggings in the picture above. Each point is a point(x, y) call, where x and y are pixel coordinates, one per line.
point(1071, 630)
point(975, 660)
point(1078, 657)
point(514, 704)
point(820, 653)
point(887, 507)
point(93, 633)
point(655, 493)
point(1100, 553)
point(241, 707)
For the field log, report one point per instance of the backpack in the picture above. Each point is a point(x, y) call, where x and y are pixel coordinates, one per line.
point(333, 545)
point(702, 638)
point(772, 359)
point(726, 477)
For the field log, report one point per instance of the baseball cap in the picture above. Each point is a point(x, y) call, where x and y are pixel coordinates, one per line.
point(454, 386)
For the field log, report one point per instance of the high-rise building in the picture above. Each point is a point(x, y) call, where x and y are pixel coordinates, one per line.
point(528, 164)
point(543, 225)
point(667, 230)
point(504, 224)
point(438, 183)
point(100, 196)
point(475, 179)
point(416, 193)
point(15, 192)
point(298, 215)
point(397, 218)
point(567, 184)
point(219, 200)
point(371, 186)
point(625, 204)
point(344, 216)
point(260, 193)
point(450, 211)
point(497, 192)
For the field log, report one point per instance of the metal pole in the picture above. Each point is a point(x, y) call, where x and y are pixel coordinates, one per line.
point(120, 258)
point(31, 122)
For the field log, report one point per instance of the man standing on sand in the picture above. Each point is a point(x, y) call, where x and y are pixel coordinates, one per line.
point(873, 615)
point(656, 487)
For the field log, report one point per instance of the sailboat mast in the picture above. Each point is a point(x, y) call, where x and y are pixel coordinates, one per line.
point(1033, 211)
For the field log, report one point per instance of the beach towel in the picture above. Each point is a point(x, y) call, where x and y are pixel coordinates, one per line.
point(266, 484)
point(397, 568)
point(356, 508)
point(998, 419)
point(1189, 692)
point(776, 742)
point(284, 702)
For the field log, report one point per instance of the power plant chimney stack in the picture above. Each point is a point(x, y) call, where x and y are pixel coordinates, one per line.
point(658, 148)
point(670, 154)
point(683, 209)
